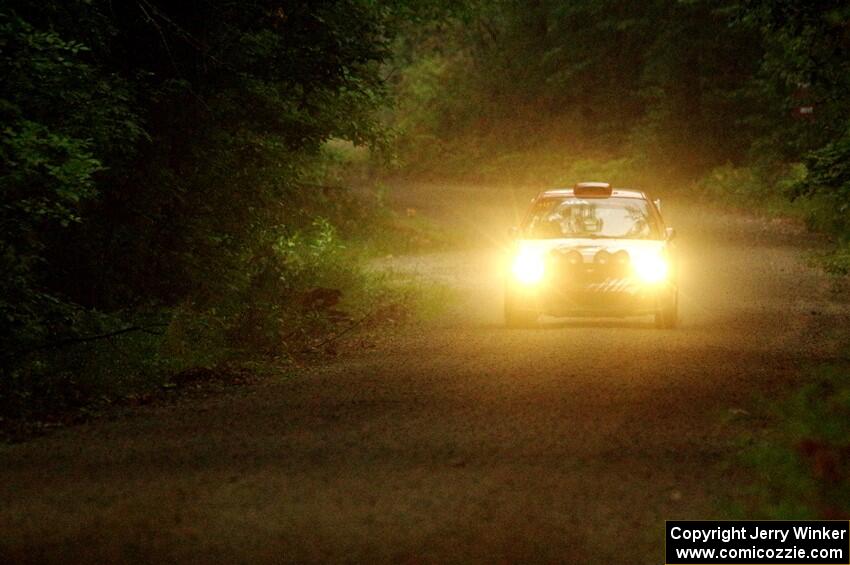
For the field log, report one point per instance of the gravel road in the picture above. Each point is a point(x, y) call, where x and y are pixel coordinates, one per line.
point(454, 439)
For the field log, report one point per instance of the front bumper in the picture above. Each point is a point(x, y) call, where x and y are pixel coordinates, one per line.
point(609, 297)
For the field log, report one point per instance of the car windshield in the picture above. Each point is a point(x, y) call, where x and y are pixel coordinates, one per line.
point(567, 217)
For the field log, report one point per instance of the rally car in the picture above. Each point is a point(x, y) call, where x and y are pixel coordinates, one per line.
point(592, 250)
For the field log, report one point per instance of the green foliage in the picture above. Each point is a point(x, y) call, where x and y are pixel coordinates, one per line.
point(837, 261)
point(171, 157)
point(748, 187)
point(261, 306)
point(800, 469)
point(828, 181)
point(806, 44)
point(62, 117)
point(38, 158)
point(70, 380)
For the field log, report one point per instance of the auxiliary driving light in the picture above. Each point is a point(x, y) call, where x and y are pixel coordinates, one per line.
point(650, 267)
point(528, 267)
point(602, 258)
point(574, 258)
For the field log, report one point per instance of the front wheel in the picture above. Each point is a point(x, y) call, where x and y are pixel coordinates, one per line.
point(668, 316)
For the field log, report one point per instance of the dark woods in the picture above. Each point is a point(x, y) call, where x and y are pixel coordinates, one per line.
point(155, 155)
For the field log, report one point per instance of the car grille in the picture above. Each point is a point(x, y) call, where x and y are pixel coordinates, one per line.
point(570, 269)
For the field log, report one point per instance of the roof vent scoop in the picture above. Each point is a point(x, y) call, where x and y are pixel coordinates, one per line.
point(592, 189)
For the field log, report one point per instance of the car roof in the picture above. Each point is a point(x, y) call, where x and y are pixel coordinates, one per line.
point(615, 193)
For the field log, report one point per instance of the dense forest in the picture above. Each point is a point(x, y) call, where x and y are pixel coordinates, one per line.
point(160, 165)
point(685, 86)
point(165, 165)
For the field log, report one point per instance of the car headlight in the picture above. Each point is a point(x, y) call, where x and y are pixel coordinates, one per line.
point(528, 266)
point(650, 267)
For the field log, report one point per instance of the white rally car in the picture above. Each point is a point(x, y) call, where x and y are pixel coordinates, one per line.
point(592, 250)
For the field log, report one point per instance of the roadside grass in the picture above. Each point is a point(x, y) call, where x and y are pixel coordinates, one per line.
point(195, 355)
point(837, 260)
point(796, 449)
point(800, 461)
point(98, 379)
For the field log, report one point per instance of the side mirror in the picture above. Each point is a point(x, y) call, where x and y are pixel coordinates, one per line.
point(657, 203)
point(513, 232)
point(669, 233)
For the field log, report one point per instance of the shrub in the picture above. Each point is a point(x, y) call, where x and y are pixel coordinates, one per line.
point(828, 184)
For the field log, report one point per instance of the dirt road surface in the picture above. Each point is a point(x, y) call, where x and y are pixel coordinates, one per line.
point(456, 439)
